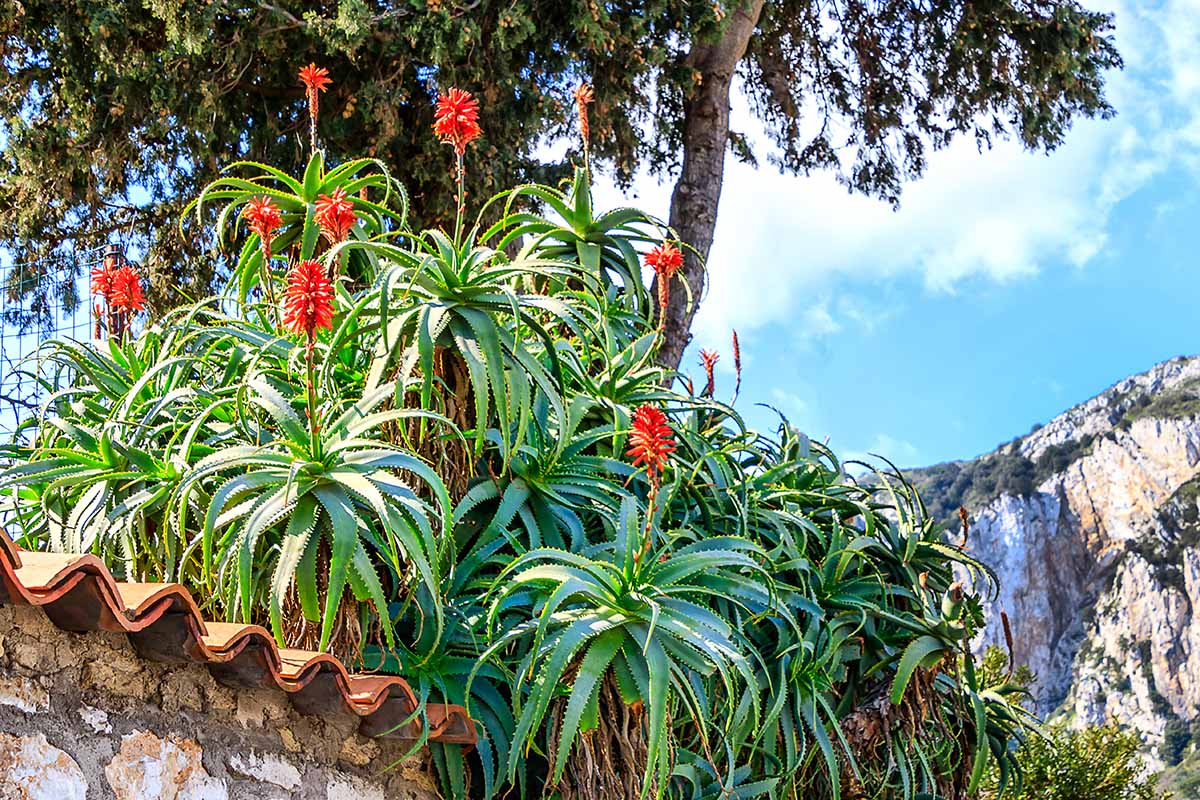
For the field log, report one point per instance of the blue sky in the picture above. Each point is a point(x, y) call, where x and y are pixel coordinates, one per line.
point(1008, 286)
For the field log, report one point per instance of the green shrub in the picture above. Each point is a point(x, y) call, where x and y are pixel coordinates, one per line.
point(1096, 763)
point(945, 488)
point(1177, 738)
point(1179, 402)
point(1183, 779)
point(1180, 526)
point(452, 455)
point(1058, 457)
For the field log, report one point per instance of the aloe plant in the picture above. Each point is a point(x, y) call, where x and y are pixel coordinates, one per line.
point(460, 445)
point(380, 204)
point(274, 502)
point(606, 246)
point(474, 302)
point(634, 612)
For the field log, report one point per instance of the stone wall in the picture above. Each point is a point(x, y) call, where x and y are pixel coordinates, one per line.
point(82, 717)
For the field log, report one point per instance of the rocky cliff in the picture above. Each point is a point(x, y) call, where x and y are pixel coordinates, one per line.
point(1093, 527)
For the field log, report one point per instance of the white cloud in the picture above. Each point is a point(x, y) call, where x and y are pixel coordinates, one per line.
point(898, 451)
point(784, 243)
point(818, 319)
point(790, 404)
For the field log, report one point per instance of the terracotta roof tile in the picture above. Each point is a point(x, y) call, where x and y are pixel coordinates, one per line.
point(163, 622)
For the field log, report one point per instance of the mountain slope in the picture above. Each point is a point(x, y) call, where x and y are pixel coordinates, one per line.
point(1092, 524)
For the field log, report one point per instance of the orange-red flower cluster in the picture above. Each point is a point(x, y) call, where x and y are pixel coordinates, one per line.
point(126, 293)
point(456, 119)
point(102, 277)
point(315, 79)
point(583, 98)
point(666, 260)
point(308, 300)
point(262, 217)
point(121, 287)
point(650, 441)
point(708, 360)
point(335, 215)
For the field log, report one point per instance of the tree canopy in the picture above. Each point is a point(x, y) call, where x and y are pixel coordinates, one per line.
point(114, 114)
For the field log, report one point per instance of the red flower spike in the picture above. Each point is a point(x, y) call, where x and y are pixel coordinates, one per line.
point(737, 364)
point(125, 292)
point(666, 259)
point(650, 441)
point(315, 79)
point(262, 217)
point(456, 119)
point(583, 98)
point(335, 215)
point(308, 300)
point(102, 277)
point(708, 360)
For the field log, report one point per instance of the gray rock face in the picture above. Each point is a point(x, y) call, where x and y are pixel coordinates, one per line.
point(1099, 564)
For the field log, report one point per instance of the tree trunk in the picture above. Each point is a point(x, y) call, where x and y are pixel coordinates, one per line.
point(698, 190)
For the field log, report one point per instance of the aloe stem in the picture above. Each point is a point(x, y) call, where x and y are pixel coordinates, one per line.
point(265, 277)
point(459, 172)
point(312, 395)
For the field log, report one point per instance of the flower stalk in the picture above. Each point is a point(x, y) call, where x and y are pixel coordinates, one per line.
point(456, 123)
point(650, 444)
point(665, 260)
point(315, 79)
point(460, 189)
point(307, 308)
point(708, 360)
point(583, 98)
point(263, 218)
point(737, 367)
point(335, 216)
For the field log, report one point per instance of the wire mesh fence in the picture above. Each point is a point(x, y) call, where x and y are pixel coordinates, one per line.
point(39, 301)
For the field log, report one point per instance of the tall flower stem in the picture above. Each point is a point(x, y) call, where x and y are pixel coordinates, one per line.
point(335, 216)
point(265, 278)
point(584, 97)
point(310, 366)
point(737, 368)
point(315, 79)
point(460, 185)
point(456, 123)
point(307, 308)
point(651, 504)
point(263, 218)
point(666, 260)
point(650, 444)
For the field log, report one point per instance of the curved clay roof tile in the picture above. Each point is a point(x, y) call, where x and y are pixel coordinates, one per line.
point(163, 622)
